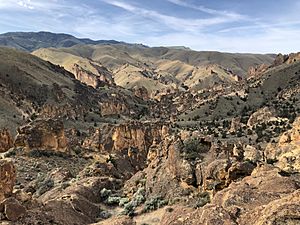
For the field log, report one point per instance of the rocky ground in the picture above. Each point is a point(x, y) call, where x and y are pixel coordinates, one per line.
point(108, 155)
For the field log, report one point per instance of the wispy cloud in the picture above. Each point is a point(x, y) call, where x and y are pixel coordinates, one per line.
point(207, 10)
point(261, 26)
point(175, 23)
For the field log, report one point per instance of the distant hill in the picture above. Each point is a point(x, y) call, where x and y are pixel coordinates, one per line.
point(113, 56)
point(30, 41)
point(158, 67)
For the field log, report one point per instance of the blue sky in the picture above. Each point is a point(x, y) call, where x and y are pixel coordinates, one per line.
point(262, 26)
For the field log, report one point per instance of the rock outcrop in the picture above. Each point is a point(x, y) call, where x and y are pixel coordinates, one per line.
point(7, 179)
point(286, 153)
point(141, 92)
point(126, 145)
point(114, 108)
point(6, 140)
point(255, 71)
point(235, 124)
point(42, 135)
point(260, 116)
point(77, 203)
point(287, 59)
point(101, 78)
point(258, 199)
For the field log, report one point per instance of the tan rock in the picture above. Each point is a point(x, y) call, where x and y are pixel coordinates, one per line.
point(260, 116)
point(286, 153)
point(165, 131)
point(252, 154)
point(129, 143)
point(265, 197)
point(79, 202)
point(114, 108)
point(100, 78)
point(235, 124)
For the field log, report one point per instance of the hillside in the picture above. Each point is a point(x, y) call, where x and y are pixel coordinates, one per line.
point(158, 68)
point(31, 87)
point(113, 56)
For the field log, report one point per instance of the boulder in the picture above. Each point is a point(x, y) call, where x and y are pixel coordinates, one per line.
point(12, 209)
point(79, 202)
point(141, 92)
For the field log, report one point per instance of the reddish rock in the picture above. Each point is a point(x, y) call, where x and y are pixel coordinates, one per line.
point(6, 140)
point(13, 210)
point(141, 92)
point(7, 178)
point(255, 71)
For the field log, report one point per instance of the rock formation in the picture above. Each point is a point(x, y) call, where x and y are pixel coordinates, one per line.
point(285, 153)
point(6, 140)
point(258, 199)
point(7, 179)
point(42, 135)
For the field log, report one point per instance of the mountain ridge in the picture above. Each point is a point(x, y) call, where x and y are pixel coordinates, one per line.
point(30, 41)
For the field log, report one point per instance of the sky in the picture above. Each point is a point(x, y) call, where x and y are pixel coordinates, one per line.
point(254, 26)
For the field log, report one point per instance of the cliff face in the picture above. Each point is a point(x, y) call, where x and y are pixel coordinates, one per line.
point(101, 78)
point(42, 135)
point(126, 145)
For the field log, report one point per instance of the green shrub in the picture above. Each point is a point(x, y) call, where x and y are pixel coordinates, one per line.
point(113, 200)
point(123, 201)
point(129, 209)
point(139, 196)
point(105, 193)
point(137, 199)
point(154, 203)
